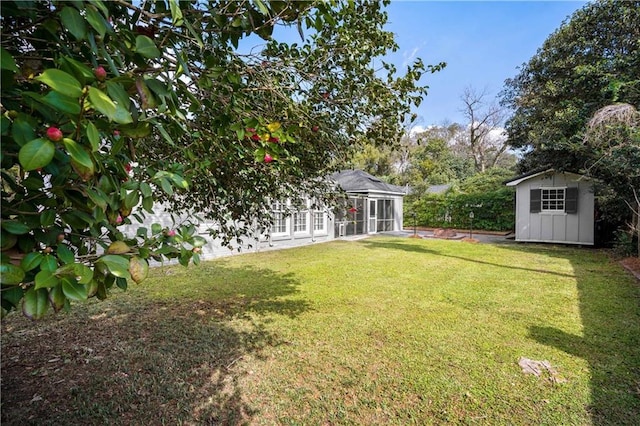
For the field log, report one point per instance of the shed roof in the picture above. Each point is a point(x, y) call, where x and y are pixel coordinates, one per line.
point(539, 172)
point(359, 181)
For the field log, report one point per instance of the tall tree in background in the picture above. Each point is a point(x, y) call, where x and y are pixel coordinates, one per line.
point(485, 138)
point(591, 61)
point(613, 138)
point(110, 107)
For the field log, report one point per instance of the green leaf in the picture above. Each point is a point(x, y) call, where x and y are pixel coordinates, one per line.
point(15, 227)
point(47, 218)
point(48, 263)
point(156, 228)
point(61, 82)
point(121, 283)
point(73, 21)
point(22, 130)
point(198, 241)
point(166, 186)
point(84, 274)
point(176, 13)
point(65, 254)
point(6, 61)
point(62, 103)
point(145, 189)
point(102, 102)
point(46, 279)
point(35, 303)
point(142, 130)
point(117, 265)
point(131, 199)
point(7, 240)
point(122, 115)
point(96, 20)
point(31, 261)
point(146, 47)
point(11, 274)
point(12, 295)
point(97, 197)
point(57, 298)
point(36, 154)
point(74, 290)
point(78, 153)
point(79, 70)
point(94, 136)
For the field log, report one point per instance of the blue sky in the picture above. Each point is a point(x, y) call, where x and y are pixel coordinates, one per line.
point(482, 42)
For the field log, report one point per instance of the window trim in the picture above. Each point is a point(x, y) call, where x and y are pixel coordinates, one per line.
point(556, 190)
point(286, 219)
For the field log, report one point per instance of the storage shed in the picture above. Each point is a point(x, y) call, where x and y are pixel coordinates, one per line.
point(554, 207)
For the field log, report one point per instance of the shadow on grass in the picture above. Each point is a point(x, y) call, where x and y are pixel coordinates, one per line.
point(137, 360)
point(610, 343)
point(409, 246)
point(610, 313)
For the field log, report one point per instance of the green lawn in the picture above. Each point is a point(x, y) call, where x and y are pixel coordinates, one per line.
point(375, 331)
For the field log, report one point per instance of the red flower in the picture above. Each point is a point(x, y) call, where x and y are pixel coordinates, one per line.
point(274, 140)
point(128, 167)
point(255, 137)
point(251, 130)
point(353, 210)
point(54, 134)
point(268, 158)
point(100, 73)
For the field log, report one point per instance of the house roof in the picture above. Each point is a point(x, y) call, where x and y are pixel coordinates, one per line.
point(438, 189)
point(539, 172)
point(359, 181)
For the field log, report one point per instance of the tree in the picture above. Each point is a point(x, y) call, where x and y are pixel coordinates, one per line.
point(111, 107)
point(591, 61)
point(613, 137)
point(485, 139)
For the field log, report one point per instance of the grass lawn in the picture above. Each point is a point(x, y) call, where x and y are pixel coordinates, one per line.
point(375, 331)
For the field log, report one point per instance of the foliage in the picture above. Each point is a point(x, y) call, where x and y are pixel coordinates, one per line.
point(591, 61)
point(493, 211)
point(484, 194)
point(111, 107)
point(328, 334)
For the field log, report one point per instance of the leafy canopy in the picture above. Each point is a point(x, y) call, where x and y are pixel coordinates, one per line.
point(109, 108)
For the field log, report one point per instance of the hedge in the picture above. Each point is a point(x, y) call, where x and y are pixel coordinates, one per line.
point(493, 211)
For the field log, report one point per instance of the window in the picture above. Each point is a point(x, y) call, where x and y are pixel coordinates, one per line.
point(280, 222)
point(552, 199)
point(301, 218)
point(300, 222)
point(385, 215)
point(318, 221)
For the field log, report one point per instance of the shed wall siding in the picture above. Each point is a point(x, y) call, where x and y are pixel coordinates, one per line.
point(557, 227)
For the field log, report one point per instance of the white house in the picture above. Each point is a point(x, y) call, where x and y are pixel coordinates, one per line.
point(554, 207)
point(373, 206)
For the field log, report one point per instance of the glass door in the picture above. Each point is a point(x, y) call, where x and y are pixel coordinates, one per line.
point(372, 216)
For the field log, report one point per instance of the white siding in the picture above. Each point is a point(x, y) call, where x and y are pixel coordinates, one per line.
point(555, 227)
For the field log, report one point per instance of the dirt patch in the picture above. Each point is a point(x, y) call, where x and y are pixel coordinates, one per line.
point(632, 264)
point(444, 233)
